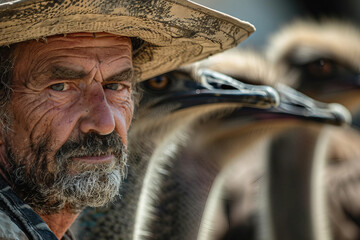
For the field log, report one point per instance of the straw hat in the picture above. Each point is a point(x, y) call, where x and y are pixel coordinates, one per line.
point(172, 32)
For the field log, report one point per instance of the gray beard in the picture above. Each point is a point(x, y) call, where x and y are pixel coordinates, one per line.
point(91, 185)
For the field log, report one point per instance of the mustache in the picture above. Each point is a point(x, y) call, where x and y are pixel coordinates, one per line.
point(91, 144)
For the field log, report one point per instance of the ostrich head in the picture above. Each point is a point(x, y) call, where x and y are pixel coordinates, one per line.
point(326, 57)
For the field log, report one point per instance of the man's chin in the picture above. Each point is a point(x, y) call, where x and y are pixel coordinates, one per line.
point(75, 192)
point(92, 189)
point(77, 167)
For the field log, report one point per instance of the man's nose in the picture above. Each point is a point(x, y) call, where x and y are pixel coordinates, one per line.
point(98, 116)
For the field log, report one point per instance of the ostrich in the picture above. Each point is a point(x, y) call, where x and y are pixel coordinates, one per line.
point(242, 189)
point(326, 57)
point(169, 104)
point(174, 205)
point(239, 130)
point(178, 206)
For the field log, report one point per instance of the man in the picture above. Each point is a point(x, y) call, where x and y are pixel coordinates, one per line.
point(68, 70)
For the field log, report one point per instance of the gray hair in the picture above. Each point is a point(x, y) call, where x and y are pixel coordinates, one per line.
point(6, 71)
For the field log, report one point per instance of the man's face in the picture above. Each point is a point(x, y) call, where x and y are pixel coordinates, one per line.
point(70, 110)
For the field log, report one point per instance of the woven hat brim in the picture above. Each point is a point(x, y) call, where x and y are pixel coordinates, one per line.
point(175, 32)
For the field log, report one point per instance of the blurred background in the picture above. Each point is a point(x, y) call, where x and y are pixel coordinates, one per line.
point(270, 15)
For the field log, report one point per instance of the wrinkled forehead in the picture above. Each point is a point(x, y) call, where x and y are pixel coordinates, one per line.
point(35, 55)
point(75, 41)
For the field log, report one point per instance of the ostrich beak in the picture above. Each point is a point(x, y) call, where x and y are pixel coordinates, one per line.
point(215, 88)
point(297, 104)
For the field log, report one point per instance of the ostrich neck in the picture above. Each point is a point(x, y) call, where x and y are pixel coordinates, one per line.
point(185, 177)
point(295, 207)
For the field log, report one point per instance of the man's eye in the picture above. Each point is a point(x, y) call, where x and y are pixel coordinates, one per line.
point(113, 86)
point(59, 87)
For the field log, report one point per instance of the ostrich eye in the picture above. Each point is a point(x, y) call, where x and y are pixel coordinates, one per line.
point(158, 83)
point(321, 68)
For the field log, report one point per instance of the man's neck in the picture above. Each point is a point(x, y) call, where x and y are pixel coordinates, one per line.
point(59, 223)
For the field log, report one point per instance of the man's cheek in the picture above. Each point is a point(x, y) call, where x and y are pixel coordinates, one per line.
point(125, 109)
point(29, 110)
point(129, 116)
point(40, 124)
point(49, 132)
point(123, 114)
